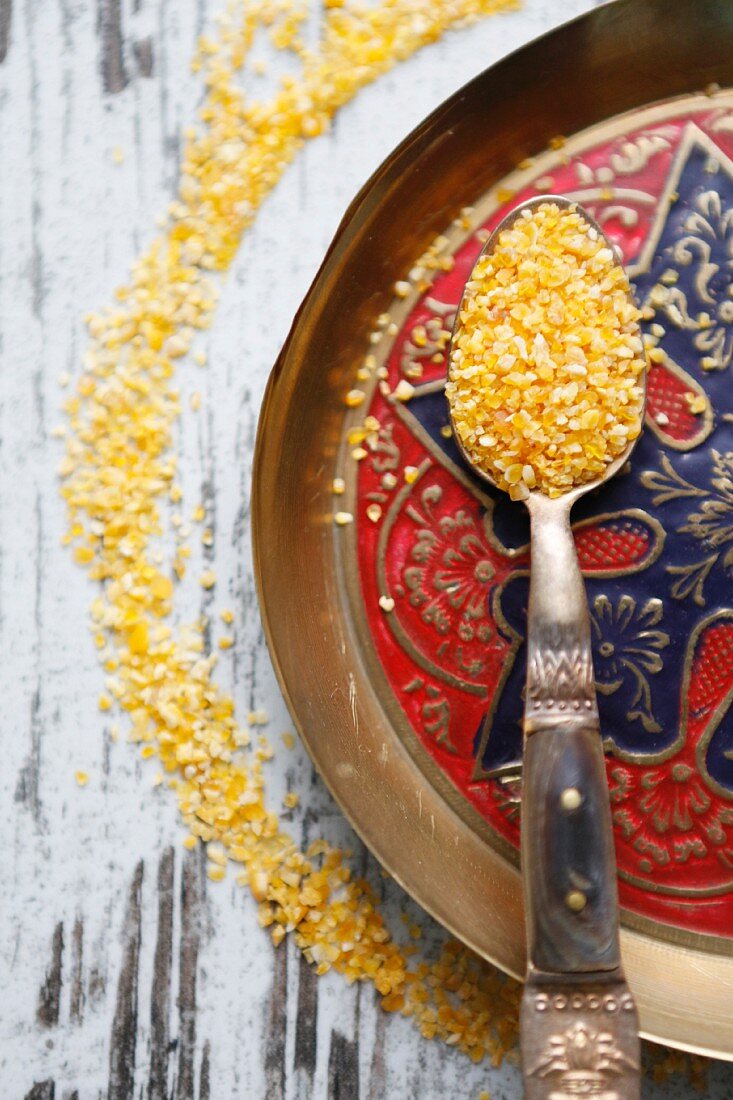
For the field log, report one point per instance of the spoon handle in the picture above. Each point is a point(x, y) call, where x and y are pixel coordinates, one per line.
point(567, 843)
point(575, 992)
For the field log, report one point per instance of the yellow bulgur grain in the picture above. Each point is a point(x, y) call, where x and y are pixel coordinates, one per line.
point(354, 398)
point(403, 391)
point(545, 375)
point(258, 717)
point(696, 402)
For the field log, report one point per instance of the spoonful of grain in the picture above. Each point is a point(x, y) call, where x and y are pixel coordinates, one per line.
point(546, 393)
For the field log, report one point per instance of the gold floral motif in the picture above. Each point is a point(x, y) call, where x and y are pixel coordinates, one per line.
point(625, 215)
point(706, 248)
point(635, 155)
point(599, 190)
point(434, 711)
point(681, 821)
point(668, 485)
point(451, 572)
point(711, 524)
point(451, 662)
point(631, 156)
point(386, 453)
point(627, 647)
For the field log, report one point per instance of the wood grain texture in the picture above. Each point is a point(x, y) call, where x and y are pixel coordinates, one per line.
point(161, 992)
point(6, 14)
point(123, 1042)
point(125, 973)
point(112, 61)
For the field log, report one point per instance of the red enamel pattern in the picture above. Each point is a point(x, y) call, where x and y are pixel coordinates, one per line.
point(444, 648)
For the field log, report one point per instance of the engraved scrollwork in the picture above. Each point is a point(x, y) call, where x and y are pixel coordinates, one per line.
point(449, 577)
point(706, 248)
point(627, 651)
point(434, 711)
point(386, 454)
point(583, 1061)
point(624, 214)
point(631, 157)
point(673, 814)
point(635, 155)
point(559, 673)
point(710, 523)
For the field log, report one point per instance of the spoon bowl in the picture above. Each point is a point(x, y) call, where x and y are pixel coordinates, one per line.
point(569, 498)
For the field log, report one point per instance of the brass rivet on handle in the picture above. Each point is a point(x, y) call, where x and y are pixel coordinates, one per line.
point(576, 900)
point(571, 798)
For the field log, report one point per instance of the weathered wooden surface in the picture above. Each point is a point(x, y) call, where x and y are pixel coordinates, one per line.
point(124, 971)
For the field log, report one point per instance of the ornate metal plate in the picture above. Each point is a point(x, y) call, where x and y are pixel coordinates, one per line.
point(392, 704)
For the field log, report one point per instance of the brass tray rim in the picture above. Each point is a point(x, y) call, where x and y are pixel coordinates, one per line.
point(648, 960)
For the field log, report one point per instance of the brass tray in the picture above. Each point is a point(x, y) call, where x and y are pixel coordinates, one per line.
point(635, 80)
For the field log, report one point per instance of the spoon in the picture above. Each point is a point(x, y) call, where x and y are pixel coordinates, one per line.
point(578, 1022)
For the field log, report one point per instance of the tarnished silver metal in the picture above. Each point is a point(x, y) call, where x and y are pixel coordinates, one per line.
point(579, 1040)
point(578, 1023)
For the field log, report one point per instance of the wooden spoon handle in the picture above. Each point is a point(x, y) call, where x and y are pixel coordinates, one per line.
point(567, 853)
